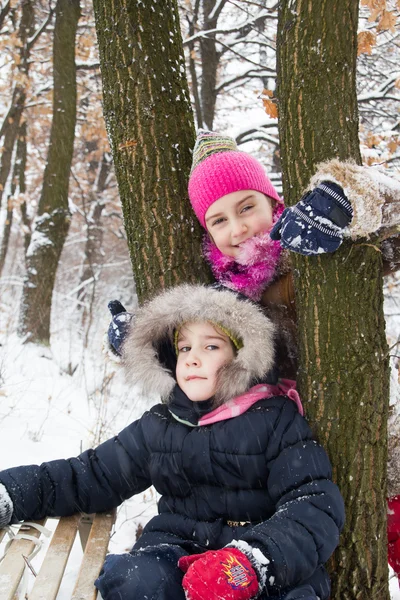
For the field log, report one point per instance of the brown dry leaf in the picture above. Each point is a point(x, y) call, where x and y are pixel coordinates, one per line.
point(372, 140)
point(376, 7)
point(268, 93)
point(269, 103)
point(387, 22)
point(397, 82)
point(392, 145)
point(270, 108)
point(365, 39)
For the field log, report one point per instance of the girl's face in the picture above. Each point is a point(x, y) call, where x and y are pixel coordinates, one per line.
point(202, 351)
point(237, 217)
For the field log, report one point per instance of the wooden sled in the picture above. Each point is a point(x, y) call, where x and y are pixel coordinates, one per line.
point(94, 532)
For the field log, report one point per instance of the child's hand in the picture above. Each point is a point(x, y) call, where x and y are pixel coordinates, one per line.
point(315, 224)
point(6, 507)
point(225, 573)
point(118, 327)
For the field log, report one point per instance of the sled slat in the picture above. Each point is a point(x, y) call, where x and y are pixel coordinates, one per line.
point(13, 565)
point(94, 556)
point(49, 579)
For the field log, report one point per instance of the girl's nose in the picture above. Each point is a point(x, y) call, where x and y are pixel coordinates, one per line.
point(238, 228)
point(192, 359)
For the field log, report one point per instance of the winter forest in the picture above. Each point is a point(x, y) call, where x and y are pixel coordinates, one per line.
point(99, 105)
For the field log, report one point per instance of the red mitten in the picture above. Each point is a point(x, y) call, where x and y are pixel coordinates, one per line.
point(393, 530)
point(225, 573)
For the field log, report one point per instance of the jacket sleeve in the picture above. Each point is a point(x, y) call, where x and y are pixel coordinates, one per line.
point(309, 509)
point(374, 197)
point(95, 481)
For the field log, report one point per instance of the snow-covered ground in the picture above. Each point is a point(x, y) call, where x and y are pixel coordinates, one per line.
point(46, 413)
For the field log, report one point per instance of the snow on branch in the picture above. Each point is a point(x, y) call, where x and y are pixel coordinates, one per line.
point(247, 25)
point(382, 92)
point(218, 6)
point(249, 74)
point(258, 133)
point(33, 39)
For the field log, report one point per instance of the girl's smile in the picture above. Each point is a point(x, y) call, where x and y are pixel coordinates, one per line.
point(237, 217)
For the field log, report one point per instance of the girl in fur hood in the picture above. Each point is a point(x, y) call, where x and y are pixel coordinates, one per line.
point(248, 508)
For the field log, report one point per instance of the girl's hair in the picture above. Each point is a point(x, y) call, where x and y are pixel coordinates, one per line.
point(234, 340)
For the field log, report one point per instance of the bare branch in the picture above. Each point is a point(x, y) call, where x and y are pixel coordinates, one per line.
point(228, 48)
point(4, 12)
point(211, 32)
point(87, 66)
point(216, 11)
point(39, 32)
point(376, 96)
point(258, 133)
point(251, 73)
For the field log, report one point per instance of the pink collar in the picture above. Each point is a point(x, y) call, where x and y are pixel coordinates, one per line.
point(240, 404)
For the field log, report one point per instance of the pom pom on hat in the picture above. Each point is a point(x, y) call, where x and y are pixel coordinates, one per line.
point(220, 168)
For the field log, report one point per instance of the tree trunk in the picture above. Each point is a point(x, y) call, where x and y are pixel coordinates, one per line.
point(150, 126)
point(10, 127)
point(94, 254)
point(22, 154)
point(52, 223)
point(343, 375)
point(209, 63)
point(17, 183)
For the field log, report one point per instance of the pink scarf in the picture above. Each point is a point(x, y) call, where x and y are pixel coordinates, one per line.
point(240, 404)
point(254, 269)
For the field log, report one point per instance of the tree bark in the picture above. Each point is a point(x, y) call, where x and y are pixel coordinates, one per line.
point(94, 255)
point(53, 219)
point(17, 183)
point(150, 126)
point(209, 65)
point(343, 374)
point(10, 127)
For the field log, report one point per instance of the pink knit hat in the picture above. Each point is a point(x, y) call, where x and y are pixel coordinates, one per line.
point(219, 168)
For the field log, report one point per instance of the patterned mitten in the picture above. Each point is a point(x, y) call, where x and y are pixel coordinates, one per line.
point(118, 327)
point(315, 224)
point(6, 507)
point(225, 573)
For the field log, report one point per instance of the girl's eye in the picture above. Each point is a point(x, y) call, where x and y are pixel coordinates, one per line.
point(184, 349)
point(246, 208)
point(211, 347)
point(218, 221)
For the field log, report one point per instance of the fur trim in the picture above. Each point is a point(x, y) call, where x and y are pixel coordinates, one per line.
point(159, 318)
point(374, 197)
point(254, 269)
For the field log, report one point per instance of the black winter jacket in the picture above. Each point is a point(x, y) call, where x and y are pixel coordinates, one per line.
point(262, 467)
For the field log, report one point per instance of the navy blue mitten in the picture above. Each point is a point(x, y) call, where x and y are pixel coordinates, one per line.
point(315, 224)
point(118, 327)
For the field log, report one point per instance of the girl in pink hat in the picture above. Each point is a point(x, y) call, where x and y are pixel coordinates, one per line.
point(248, 232)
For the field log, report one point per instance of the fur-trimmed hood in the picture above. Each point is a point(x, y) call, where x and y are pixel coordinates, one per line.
point(151, 338)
